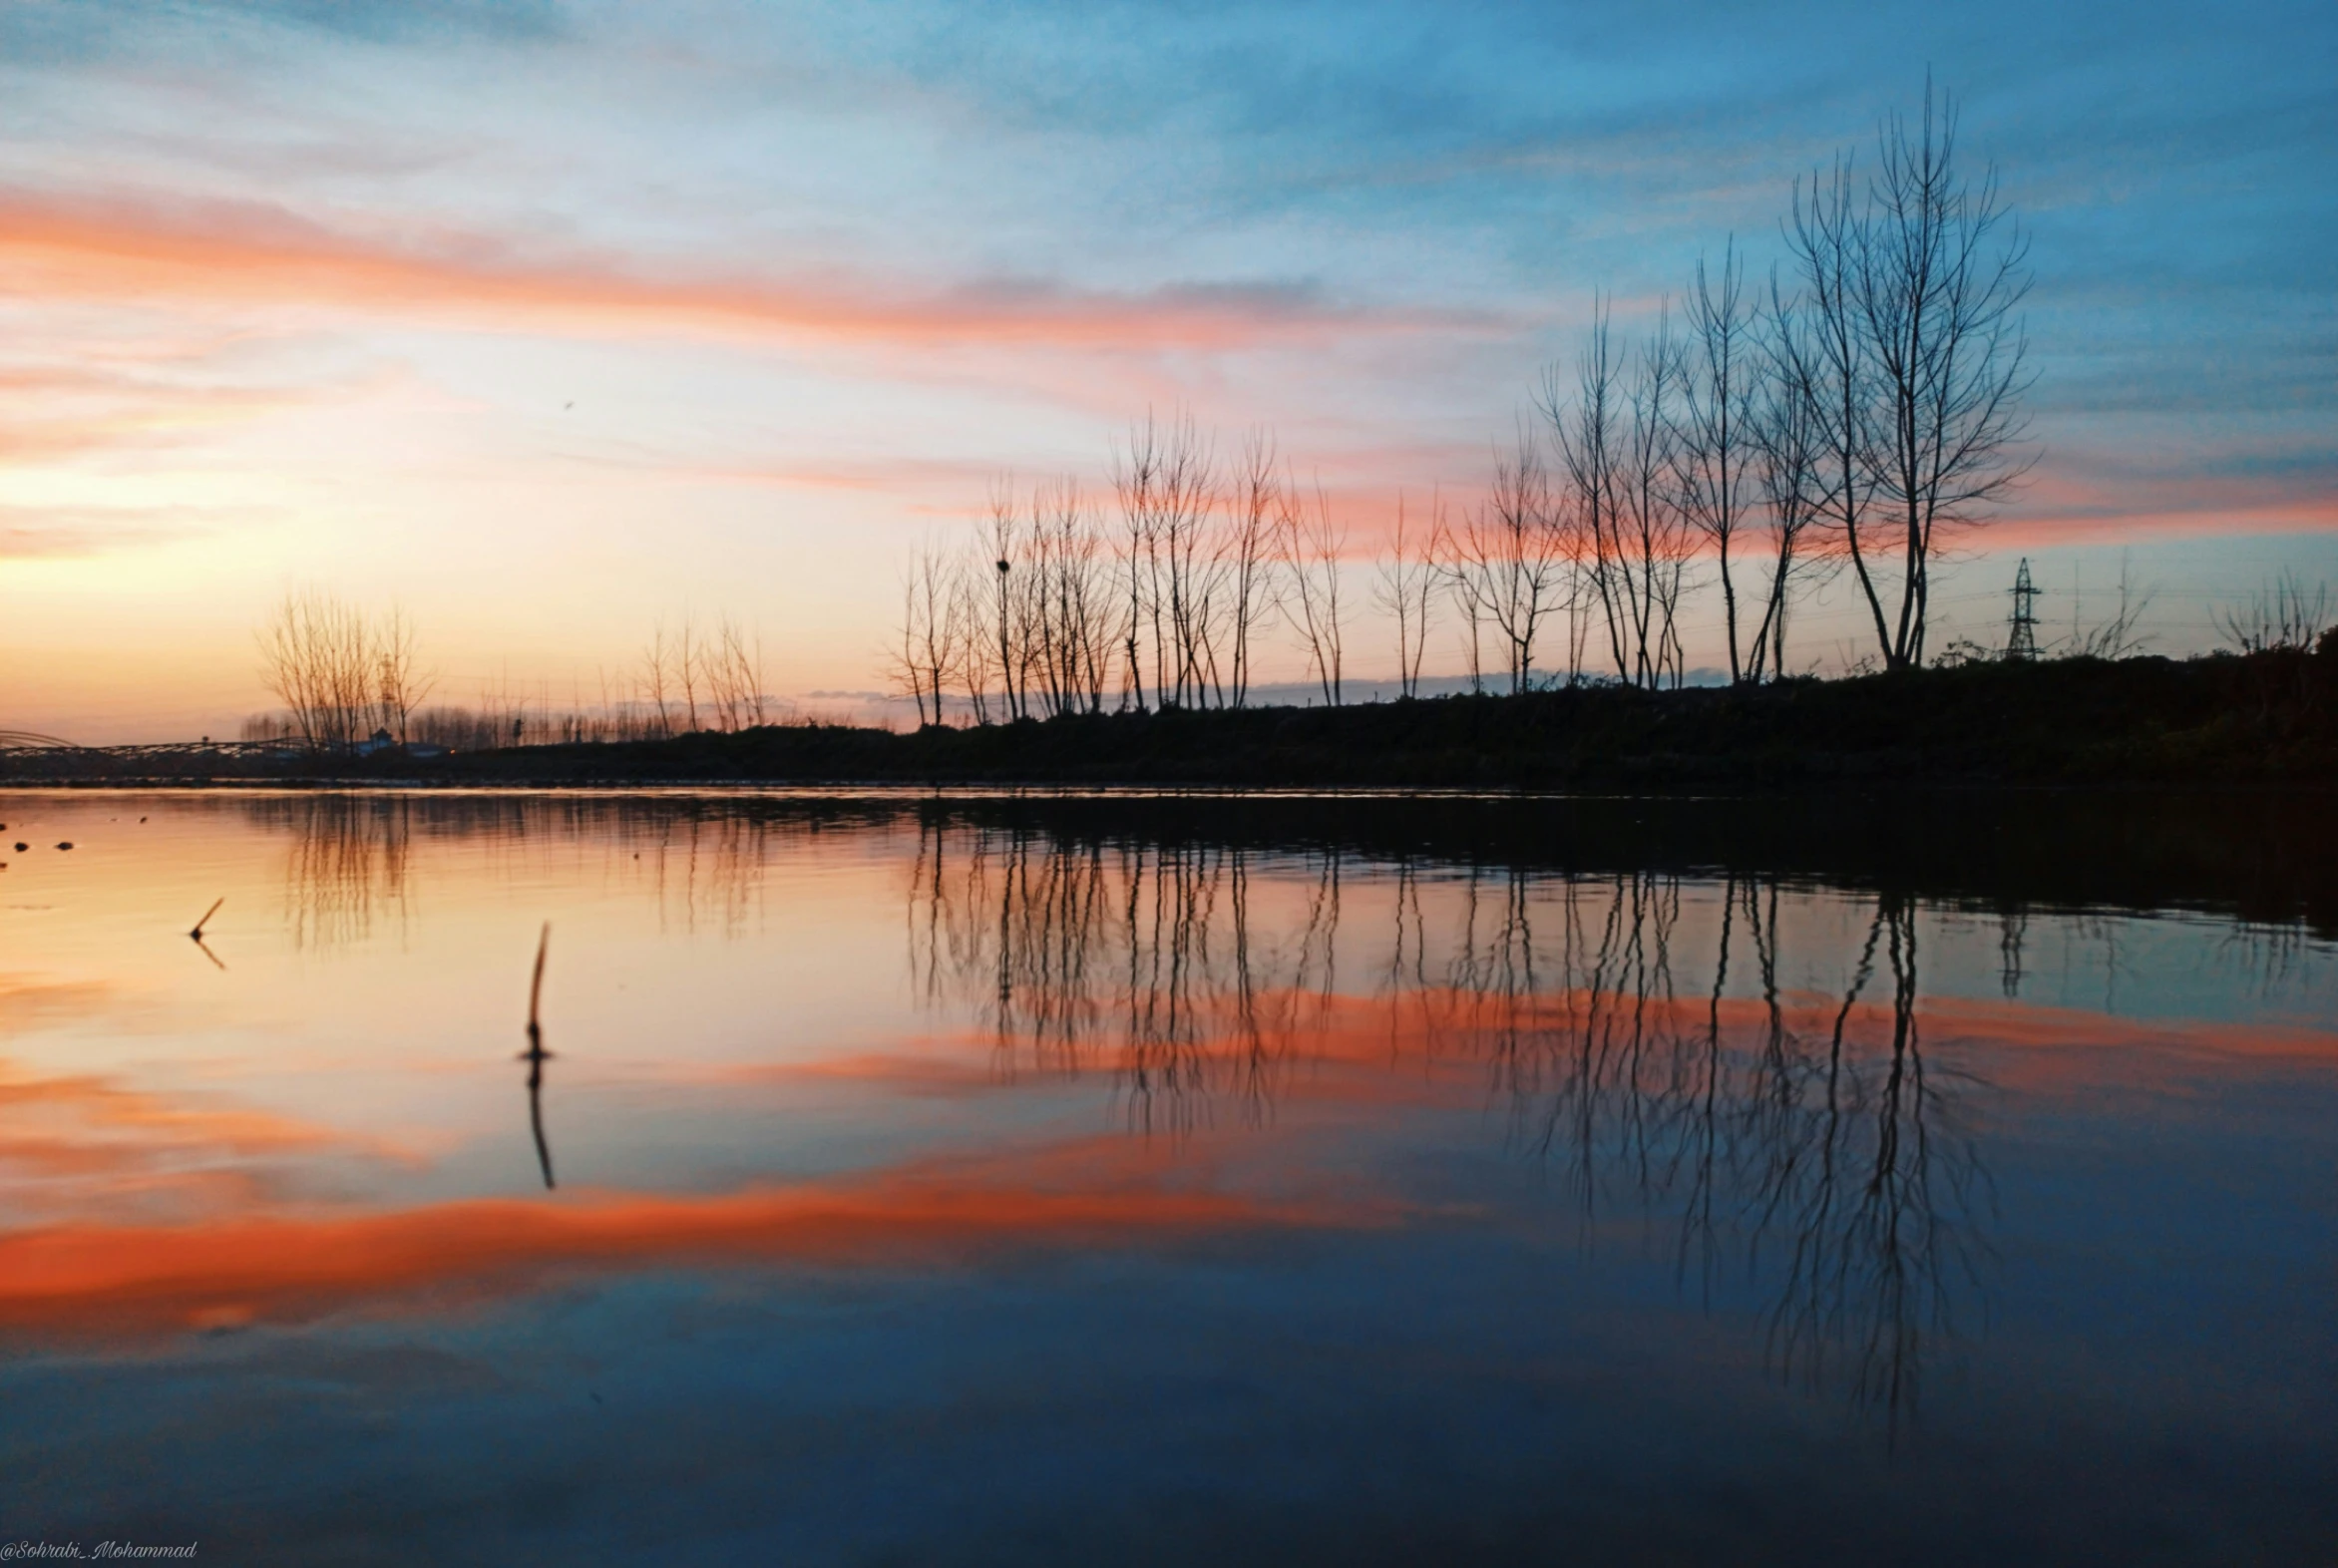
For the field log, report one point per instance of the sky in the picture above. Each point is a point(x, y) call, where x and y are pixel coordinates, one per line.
point(550, 322)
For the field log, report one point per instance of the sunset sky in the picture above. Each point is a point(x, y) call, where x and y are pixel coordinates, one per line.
point(551, 320)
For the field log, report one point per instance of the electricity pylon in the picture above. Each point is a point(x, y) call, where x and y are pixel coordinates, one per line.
point(2022, 639)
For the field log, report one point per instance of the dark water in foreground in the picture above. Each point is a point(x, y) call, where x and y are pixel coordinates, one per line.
point(1124, 1181)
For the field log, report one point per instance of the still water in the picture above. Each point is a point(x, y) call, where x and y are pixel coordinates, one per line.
point(1123, 1180)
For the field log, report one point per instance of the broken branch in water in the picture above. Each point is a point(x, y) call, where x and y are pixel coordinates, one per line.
point(535, 986)
point(197, 934)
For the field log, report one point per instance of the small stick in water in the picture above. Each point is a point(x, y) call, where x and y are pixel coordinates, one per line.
point(535, 986)
point(197, 934)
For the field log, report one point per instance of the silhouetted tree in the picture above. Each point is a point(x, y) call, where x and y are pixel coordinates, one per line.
point(1310, 543)
point(1506, 557)
point(1718, 443)
point(1407, 590)
point(1915, 284)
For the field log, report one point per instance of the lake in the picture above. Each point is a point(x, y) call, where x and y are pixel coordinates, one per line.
point(893, 1178)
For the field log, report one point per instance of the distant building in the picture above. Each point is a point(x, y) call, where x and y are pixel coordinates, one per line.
point(381, 741)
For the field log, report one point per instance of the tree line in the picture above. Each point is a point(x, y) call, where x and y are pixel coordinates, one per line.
point(340, 671)
point(347, 675)
point(1850, 413)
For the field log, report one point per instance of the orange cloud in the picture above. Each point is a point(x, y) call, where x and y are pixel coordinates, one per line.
point(82, 1277)
point(158, 398)
point(2092, 502)
point(247, 255)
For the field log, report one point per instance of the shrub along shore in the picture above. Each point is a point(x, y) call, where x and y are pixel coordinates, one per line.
point(2258, 719)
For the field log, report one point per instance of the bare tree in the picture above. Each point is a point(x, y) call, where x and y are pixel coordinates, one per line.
point(1942, 274)
point(1187, 498)
point(1465, 585)
point(319, 658)
point(972, 635)
point(1248, 553)
point(907, 669)
point(1716, 445)
point(1652, 552)
point(1001, 541)
point(1311, 542)
point(2284, 614)
point(1136, 475)
point(1510, 558)
point(926, 650)
point(1064, 601)
point(1826, 238)
point(1166, 485)
point(2118, 638)
point(688, 660)
point(657, 678)
point(1914, 285)
point(759, 703)
point(1788, 430)
point(1589, 422)
point(733, 677)
point(1407, 590)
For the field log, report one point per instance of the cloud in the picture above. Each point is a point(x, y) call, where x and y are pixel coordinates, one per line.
point(128, 395)
point(261, 258)
point(50, 34)
point(418, 20)
point(53, 532)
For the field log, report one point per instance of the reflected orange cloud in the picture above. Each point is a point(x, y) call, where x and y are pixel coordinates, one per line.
point(155, 1123)
point(954, 1071)
point(85, 1143)
point(84, 1278)
point(27, 1001)
point(1434, 1045)
point(246, 254)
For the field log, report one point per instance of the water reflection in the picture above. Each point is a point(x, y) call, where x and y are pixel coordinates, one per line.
point(705, 862)
point(1071, 949)
point(1529, 1165)
point(345, 863)
point(1808, 1144)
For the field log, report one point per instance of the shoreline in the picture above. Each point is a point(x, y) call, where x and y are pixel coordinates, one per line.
point(2264, 720)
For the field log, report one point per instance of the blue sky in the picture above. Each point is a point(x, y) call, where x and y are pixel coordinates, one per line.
point(550, 320)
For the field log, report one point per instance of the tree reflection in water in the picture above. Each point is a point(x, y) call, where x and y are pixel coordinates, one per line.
point(1065, 945)
point(350, 857)
point(1804, 1138)
point(345, 863)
